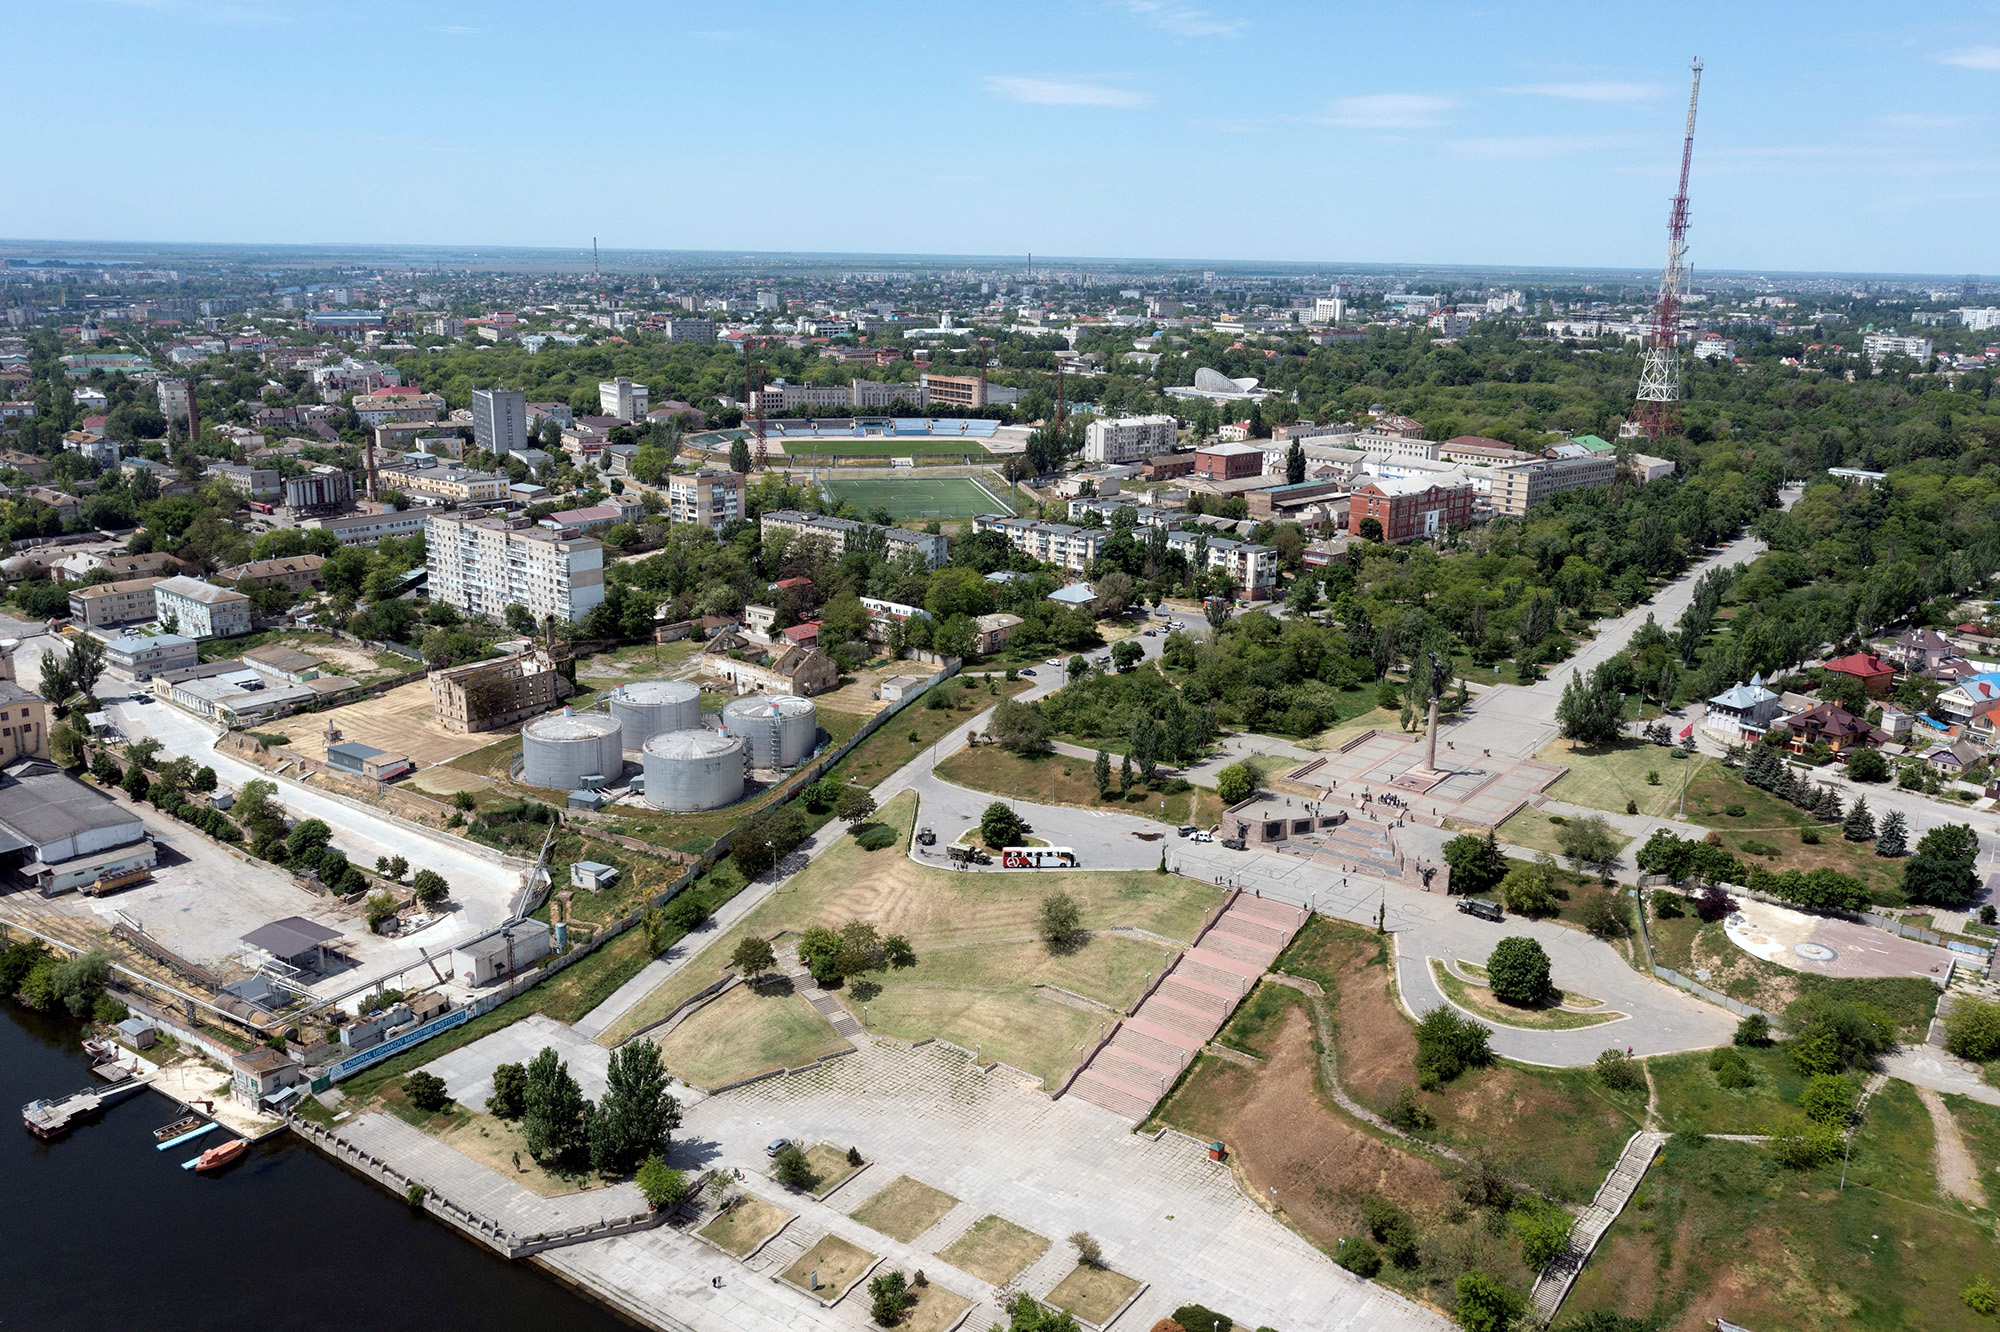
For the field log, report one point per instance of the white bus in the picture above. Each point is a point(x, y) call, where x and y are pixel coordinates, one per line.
point(1037, 857)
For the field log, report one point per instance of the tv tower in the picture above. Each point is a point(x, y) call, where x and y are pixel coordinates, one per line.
point(1660, 365)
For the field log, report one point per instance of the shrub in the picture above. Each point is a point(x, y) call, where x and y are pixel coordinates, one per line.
point(1828, 1099)
point(1360, 1256)
point(1981, 1298)
point(1449, 1043)
point(792, 1170)
point(663, 1186)
point(1801, 1144)
point(1620, 1072)
point(1409, 1114)
point(380, 908)
point(1487, 1304)
point(1599, 913)
point(1754, 1030)
point(1972, 1029)
point(426, 1091)
point(1235, 783)
point(1731, 1069)
point(1666, 905)
point(1652, 778)
point(1713, 904)
point(1833, 1035)
point(1518, 971)
point(415, 1195)
point(1543, 1230)
point(1194, 1317)
point(1631, 807)
point(875, 836)
point(1809, 836)
point(1733, 811)
point(510, 1092)
point(1089, 1253)
point(854, 1156)
point(1060, 919)
point(1392, 1227)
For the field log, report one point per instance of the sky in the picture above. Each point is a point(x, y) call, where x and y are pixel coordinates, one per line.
point(1832, 136)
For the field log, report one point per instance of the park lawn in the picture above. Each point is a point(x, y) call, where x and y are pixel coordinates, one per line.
point(1557, 1129)
point(936, 1309)
point(1537, 829)
point(1705, 953)
point(1691, 1099)
point(935, 906)
point(1479, 1001)
point(890, 747)
point(995, 1250)
point(1063, 779)
point(1772, 825)
point(1464, 668)
point(904, 1209)
point(1607, 776)
point(1368, 719)
point(746, 1223)
point(747, 1031)
point(1720, 1229)
point(491, 761)
point(833, 1262)
point(498, 1143)
point(1093, 1294)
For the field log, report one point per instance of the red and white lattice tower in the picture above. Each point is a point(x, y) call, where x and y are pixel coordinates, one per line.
point(1660, 365)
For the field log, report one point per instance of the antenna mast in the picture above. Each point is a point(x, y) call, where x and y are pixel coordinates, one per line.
point(1660, 366)
point(753, 389)
point(595, 280)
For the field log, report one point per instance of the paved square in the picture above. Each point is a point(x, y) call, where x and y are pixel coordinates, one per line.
point(468, 1070)
point(1479, 787)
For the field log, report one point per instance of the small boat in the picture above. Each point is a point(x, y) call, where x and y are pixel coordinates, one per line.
point(178, 1127)
point(100, 1049)
point(199, 1130)
point(215, 1158)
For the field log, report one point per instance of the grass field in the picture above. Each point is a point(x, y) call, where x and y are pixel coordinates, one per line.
point(915, 497)
point(1607, 777)
point(994, 1250)
point(1064, 779)
point(746, 1032)
point(904, 1209)
point(1480, 1002)
point(1093, 1293)
point(748, 1223)
point(1530, 827)
point(1720, 1229)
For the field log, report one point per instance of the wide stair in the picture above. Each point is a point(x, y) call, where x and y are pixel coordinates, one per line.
point(1552, 1286)
point(1131, 1072)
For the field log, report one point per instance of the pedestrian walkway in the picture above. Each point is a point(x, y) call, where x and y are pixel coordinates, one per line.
point(1552, 1286)
point(1129, 1073)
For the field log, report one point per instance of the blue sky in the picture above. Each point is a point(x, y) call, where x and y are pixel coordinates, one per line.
point(1835, 136)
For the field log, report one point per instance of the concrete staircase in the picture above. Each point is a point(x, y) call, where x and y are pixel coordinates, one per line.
point(823, 1003)
point(1552, 1286)
point(1130, 1072)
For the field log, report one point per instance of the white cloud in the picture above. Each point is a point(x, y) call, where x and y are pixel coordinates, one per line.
point(1387, 111)
point(1599, 90)
point(1972, 57)
point(1058, 92)
point(1182, 20)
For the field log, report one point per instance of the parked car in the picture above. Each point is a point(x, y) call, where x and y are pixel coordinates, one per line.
point(927, 837)
point(1053, 661)
point(776, 1145)
point(1480, 907)
point(1202, 837)
point(1027, 670)
point(1235, 843)
point(1184, 829)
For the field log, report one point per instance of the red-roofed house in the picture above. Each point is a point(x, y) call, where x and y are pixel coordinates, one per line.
point(802, 635)
point(791, 585)
point(1877, 676)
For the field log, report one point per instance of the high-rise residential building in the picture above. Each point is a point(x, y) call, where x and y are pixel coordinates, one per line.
point(173, 395)
point(1128, 438)
point(484, 565)
point(1073, 548)
point(708, 498)
point(500, 420)
point(623, 399)
point(690, 330)
point(1329, 310)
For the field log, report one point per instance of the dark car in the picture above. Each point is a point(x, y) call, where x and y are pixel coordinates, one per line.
point(1480, 907)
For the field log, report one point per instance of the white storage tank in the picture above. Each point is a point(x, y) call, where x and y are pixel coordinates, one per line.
point(646, 708)
point(695, 769)
point(572, 751)
point(779, 729)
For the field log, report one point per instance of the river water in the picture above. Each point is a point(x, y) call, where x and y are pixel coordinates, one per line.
point(100, 1231)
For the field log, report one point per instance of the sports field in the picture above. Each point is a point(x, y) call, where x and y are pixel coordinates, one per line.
point(911, 497)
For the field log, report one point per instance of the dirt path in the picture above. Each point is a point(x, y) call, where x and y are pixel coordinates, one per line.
point(1957, 1175)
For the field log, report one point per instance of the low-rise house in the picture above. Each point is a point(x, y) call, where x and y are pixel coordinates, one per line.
point(258, 1076)
point(300, 573)
point(1742, 714)
point(1828, 724)
point(367, 761)
point(1922, 650)
point(781, 668)
point(991, 632)
point(140, 657)
point(507, 952)
point(1971, 697)
point(1877, 676)
point(1953, 758)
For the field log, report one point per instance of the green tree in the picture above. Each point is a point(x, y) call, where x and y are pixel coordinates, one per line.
point(1020, 727)
point(1235, 783)
point(426, 1091)
point(637, 1115)
point(1518, 971)
point(1972, 1029)
point(1543, 1230)
point(1295, 463)
point(1859, 825)
point(1943, 870)
point(309, 836)
point(137, 784)
point(1529, 889)
point(379, 908)
point(1590, 843)
point(510, 1090)
point(889, 1297)
point(1448, 1044)
point(753, 956)
point(392, 867)
point(1060, 920)
point(1487, 1304)
point(791, 1169)
point(1000, 826)
point(430, 887)
point(1100, 771)
point(1867, 765)
point(1477, 863)
point(663, 1187)
point(853, 804)
point(1892, 838)
point(739, 457)
point(553, 1110)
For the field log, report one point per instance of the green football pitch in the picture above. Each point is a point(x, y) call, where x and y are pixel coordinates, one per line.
point(912, 497)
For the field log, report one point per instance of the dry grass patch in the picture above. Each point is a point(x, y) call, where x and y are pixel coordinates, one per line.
point(829, 1167)
point(904, 1209)
point(995, 1250)
point(936, 908)
point(834, 1262)
point(747, 1223)
point(746, 1032)
point(935, 1310)
point(1093, 1293)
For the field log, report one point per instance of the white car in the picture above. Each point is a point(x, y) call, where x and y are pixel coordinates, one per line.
point(1201, 837)
point(1053, 661)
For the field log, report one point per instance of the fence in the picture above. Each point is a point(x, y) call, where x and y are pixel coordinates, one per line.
point(348, 1067)
point(1694, 987)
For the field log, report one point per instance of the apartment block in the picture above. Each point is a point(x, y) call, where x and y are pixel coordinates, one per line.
point(483, 565)
point(691, 330)
point(1393, 444)
point(1072, 548)
point(500, 420)
point(708, 498)
point(300, 573)
point(1410, 509)
point(1519, 487)
point(444, 481)
point(126, 602)
point(623, 399)
point(258, 483)
point(1253, 568)
point(199, 610)
point(845, 534)
point(365, 529)
point(1129, 438)
point(1878, 345)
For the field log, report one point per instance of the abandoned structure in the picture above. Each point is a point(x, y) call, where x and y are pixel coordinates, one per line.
point(489, 695)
